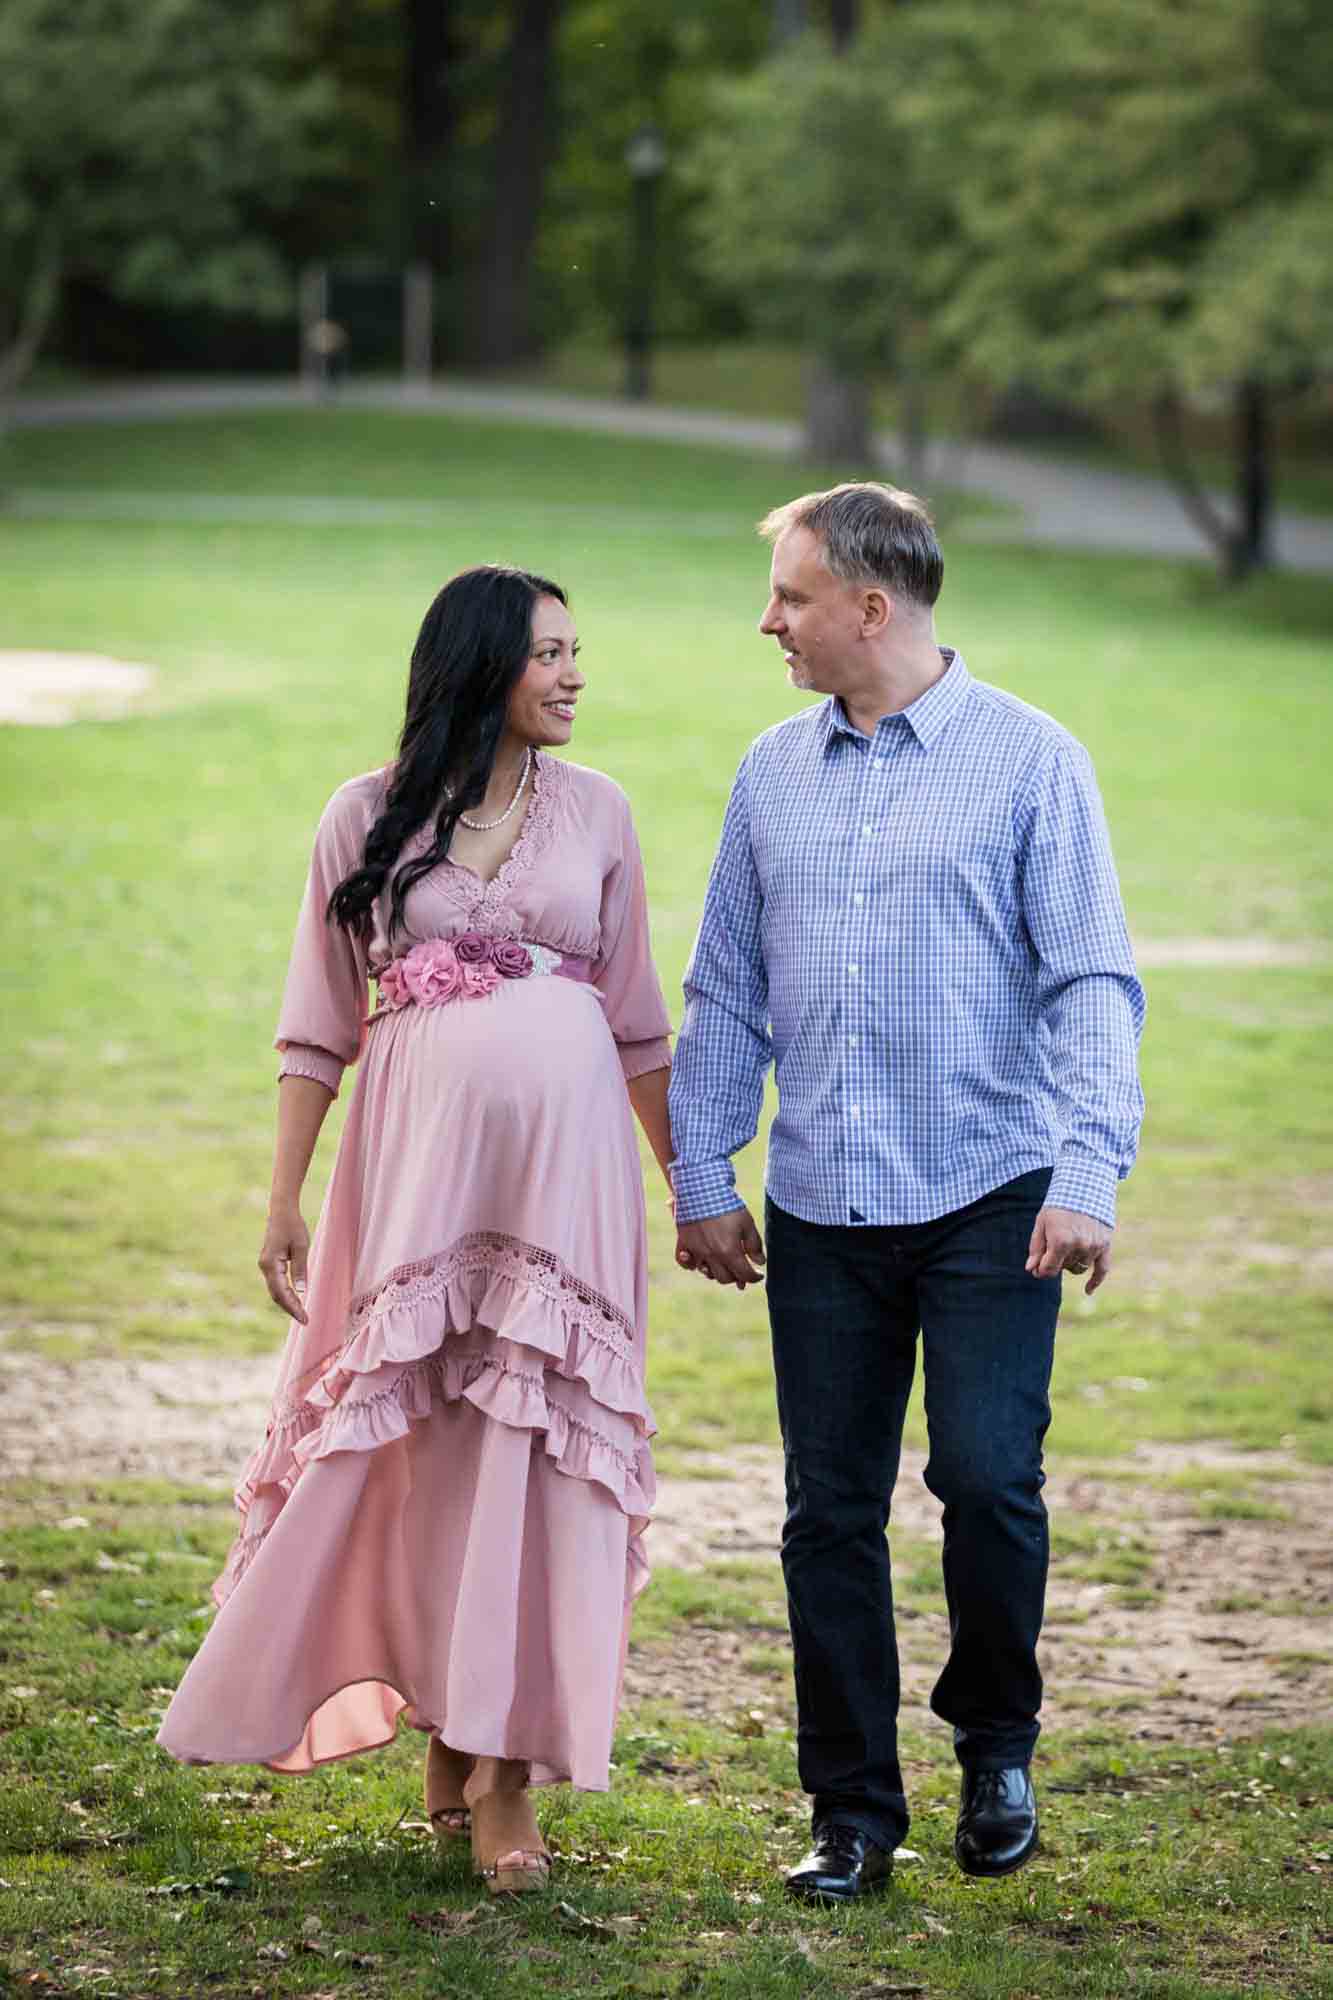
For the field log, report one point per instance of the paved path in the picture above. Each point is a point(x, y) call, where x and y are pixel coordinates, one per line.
point(1059, 501)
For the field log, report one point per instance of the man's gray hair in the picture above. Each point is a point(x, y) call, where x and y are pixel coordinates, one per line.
point(869, 534)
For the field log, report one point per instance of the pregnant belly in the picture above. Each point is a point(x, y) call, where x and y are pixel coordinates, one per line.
point(533, 1045)
point(507, 1114)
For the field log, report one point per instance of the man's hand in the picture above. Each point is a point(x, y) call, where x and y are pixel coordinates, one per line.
point(725, 1248)
point(1063, 1240)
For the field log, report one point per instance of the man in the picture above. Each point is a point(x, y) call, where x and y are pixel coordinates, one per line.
point(913, 911)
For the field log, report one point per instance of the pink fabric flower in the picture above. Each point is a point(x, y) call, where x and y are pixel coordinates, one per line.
point(432, 972)
point(473, 949)
point(393, 986)
point(478, 980)
point(511, 960)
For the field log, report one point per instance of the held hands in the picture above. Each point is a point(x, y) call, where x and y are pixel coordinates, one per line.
point(1063, 1240)
point(283, 1260)
point(725, 1248)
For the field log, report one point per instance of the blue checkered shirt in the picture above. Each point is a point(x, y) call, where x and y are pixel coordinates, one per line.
point(923, 930)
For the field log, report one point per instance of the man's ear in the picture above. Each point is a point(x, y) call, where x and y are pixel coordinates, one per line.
point(876, 613)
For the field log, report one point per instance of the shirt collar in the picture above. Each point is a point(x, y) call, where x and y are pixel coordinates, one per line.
point(926, 716)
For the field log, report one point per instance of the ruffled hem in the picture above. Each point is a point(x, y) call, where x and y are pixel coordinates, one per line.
point(498, 1322)
point(520, 1294)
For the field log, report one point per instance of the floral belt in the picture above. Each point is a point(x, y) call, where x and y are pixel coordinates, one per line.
point(439, 970)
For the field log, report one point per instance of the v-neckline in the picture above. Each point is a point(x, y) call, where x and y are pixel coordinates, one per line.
point(487, 882)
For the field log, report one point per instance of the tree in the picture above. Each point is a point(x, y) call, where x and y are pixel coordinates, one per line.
point(624, 64)
point(504, 319)
point(822, 214)
point(428, 127)
point(155, 145)
point(1146, 194)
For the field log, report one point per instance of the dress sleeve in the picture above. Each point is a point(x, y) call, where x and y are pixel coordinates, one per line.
point(324, 1003)
point(624, 973)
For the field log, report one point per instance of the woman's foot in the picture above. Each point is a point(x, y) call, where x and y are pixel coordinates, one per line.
point(447, 1771)
point(507, 1847)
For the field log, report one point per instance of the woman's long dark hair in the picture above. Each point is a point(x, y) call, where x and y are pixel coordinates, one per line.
point(473, 646)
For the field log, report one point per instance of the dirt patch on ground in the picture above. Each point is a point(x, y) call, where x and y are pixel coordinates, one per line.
point(53, 688)
point(1224, 1626)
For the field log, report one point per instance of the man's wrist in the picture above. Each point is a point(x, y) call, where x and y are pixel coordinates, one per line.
point(704, 1190)
point(1084, 1185)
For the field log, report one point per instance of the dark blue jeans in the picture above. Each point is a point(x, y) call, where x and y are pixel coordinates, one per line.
point(846, 1304)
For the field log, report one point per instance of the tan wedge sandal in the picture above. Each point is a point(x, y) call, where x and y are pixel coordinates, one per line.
point(507, 1847)
point(447, 1771)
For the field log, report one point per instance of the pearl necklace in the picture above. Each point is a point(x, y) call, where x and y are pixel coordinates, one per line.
point(489, 825)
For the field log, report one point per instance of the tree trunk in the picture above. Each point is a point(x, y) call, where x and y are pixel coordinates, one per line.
point(1180, 471)
point(844, 20)
point(428, 129)
point(837, 400)
point(504, 327)
point(1253, 456)
point(35, 316)
point(1242, 546)
point(837, 416)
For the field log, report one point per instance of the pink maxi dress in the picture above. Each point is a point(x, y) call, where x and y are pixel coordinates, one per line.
point(445, 1515)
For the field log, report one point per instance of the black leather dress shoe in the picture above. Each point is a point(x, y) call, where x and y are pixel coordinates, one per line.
point(844, 1863)
point(997, 1822)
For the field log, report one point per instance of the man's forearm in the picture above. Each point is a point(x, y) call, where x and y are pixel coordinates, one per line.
point(1094, 1038)
point(717, 1092)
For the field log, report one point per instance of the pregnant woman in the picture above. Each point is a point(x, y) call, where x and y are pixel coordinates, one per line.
point(445, 1516)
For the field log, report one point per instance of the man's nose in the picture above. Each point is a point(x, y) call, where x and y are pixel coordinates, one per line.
point(772, 619)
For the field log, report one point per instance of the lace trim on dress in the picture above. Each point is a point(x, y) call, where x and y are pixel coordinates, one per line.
point(484, 901)
point(488, 1251)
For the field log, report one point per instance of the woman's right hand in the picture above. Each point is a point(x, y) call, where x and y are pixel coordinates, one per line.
point(283, 1258)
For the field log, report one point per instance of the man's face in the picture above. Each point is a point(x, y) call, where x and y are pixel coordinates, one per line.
point(814, 616)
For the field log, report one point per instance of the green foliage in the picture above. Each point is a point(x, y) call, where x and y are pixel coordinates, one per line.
point(1142, 189)
point(624, 63)
point(820, 207)
point(154, 146)
point(1264, 305)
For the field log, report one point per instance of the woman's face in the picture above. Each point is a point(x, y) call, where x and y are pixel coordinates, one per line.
point(541, 707)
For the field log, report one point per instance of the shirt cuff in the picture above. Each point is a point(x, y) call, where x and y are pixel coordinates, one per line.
point(1085, 1184)
point(638, 1058)
point(704, 1189)
point(301, 1059)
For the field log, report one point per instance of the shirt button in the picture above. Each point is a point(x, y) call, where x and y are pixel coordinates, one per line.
point(880, 762)
point(856, 1111)
point(853, 969)
point(858, 897)
point(867, 829)
point(854, 1041)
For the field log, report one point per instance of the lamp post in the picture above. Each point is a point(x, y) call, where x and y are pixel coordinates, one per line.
point(646, 158)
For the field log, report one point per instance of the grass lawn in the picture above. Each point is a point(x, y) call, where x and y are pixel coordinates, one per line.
point(156, 865)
